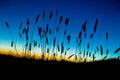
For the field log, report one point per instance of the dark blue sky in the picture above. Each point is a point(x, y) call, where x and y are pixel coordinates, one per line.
point(107, 11)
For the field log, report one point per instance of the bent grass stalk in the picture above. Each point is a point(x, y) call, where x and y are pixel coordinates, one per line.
point(7, 25)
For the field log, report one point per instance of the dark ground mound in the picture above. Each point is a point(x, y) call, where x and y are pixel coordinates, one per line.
point(54, 66)
point(4, 59)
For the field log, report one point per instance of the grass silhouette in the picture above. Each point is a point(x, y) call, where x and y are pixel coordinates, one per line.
point(49, 46)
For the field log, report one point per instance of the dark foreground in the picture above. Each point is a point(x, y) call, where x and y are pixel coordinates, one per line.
point(23, 64)
point(13, 60)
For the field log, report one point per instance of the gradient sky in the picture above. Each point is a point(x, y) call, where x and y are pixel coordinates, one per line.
point(107, 11)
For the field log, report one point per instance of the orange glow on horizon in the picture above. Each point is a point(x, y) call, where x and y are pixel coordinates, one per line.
point(37, 56)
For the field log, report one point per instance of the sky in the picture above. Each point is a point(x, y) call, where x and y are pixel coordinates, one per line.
point(107, 11)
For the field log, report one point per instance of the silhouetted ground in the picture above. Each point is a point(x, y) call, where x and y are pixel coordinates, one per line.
point(4, 59)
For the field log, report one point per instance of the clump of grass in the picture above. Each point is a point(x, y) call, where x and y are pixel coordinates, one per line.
point(49, 39)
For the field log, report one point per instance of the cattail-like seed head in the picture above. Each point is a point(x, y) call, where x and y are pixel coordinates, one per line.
point(95, 26)
point(37, 18)
point(47, 50)
point(84, 26)
point(68, 38)
point(61, 18)
point(106, 35)
point(101, 49)
point(28, 22)
point(80, 34)
point(6, 23)
point(11, 43)
point(47, 28)
point(51, 13)
point(67, 21)
point(20, 35)
point(91, 36)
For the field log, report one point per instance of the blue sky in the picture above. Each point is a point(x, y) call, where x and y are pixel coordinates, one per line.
point(107, 11)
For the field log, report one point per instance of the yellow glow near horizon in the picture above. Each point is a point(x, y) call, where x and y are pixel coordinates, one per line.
point(37, 55)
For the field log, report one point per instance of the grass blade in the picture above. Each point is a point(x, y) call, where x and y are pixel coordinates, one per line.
point(20, 25)
point(80, 42)
point(88, 46)
point(50, 31)
point(85, 35)
point(65, 32)
point(62, 48)
point(80, 34)
point(47, 50)
point(91, 36)
point(66, 21)
point(30, 46)
point(107, 52)
point(54, 42)
point(27, 37)
point(97, 48)
point(46, 40)
point(105, 57)
point(51, 13)
point(106, 35)
point(6, 23)
point(68, 38)
point(95, 26)
point(20, 35)
point(117, 50)
point(101, 50)
point(70, 56)
point(76, 41)
point(61, 18)
point(37, 18)
point(56, 13)
point(11, 43)
point(35, 43)
point(58, 48)
point(84, 26)
point(43, 14)
point(57, 29)
point(28, 22)
point(24, 30)
point(39, 31)
point(46, 29)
